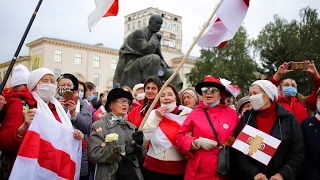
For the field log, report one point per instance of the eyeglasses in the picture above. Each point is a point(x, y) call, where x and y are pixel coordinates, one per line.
point(123, 101)
point(208, 90)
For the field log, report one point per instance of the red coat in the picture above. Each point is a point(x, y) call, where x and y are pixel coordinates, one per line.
point(202, 164)
point(13, 119)
point(135, 117)
point(294, 105)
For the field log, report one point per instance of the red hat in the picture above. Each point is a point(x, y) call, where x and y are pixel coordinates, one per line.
point(222, 84)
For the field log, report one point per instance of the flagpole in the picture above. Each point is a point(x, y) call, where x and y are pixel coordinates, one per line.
point(16, 54)
point(180, 65)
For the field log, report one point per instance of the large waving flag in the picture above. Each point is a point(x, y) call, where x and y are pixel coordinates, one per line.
point(48, 151)
point(225, 25)
point(105, 8)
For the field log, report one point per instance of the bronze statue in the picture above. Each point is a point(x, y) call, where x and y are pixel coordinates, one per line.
point(140, 57)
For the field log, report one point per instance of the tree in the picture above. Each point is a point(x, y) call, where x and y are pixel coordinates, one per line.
point(231, 62)
point(282, 41)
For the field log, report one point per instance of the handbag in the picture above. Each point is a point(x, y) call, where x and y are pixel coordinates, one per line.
point(223, 158)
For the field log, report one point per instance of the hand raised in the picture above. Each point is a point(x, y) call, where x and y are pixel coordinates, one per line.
point(28, 117)
point(161, 111)
point(283, 69)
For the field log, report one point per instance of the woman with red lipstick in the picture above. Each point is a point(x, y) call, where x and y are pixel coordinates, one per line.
point(202, 147)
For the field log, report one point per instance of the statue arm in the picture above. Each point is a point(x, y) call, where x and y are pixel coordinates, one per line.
point(141, 44)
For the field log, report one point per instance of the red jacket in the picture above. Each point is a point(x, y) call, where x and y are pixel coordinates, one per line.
point(294, 105)
point(135, 117)
point(13, 119)
point(202, 164)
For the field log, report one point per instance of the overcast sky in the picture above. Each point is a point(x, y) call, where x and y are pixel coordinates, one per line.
point(67, 19)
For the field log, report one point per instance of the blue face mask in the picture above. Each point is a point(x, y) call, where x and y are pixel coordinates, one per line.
point(288, 91)
point(91, 97)
point(81, 94)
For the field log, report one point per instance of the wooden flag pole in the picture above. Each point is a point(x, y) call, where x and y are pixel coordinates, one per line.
point(180, 65)
point(16, 54)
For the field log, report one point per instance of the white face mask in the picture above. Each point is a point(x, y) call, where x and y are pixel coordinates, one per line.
point(140, 96)
point(46, 91)
point(318, 106)
point(256, 101)
point(170, 106)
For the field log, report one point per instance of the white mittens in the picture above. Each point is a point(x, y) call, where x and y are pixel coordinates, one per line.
point(206, 144)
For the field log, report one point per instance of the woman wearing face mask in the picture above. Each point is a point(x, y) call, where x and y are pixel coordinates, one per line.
point(138, 95)
point(79, 113)
point(163, 160)
point(190, 98)
point(302, 107)
point(42, 86)
point(270, 117)
point(310, 128)
point(201, 146)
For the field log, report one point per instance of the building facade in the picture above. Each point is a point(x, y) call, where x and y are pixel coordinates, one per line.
point(97, 63)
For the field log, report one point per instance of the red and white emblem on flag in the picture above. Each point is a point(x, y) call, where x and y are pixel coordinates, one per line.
point(256, 144)
point(48, 151)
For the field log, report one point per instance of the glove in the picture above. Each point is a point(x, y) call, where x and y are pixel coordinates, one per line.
point(131, 149)
point(206, 144)
point(138, 137)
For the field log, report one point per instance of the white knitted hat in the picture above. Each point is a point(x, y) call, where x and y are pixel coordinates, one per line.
point(20, 76)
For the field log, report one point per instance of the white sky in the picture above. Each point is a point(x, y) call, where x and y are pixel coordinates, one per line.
point(67, 19)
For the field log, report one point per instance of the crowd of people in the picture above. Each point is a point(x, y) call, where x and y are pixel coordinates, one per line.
point(185, 133)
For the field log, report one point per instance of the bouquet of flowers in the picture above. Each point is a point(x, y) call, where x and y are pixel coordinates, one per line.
point(111, 142)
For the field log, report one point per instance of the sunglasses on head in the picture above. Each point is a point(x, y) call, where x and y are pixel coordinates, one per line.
point(209, 89)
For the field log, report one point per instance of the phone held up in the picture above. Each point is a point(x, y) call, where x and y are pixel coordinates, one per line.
point(70, 96)
point(299, 66)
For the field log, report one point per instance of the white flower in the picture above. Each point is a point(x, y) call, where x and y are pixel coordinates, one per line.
point(112, 137)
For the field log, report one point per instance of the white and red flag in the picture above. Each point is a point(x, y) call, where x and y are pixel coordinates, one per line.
point(256, 144)
point(48, 151)
point(225, 25)
point(105, 8)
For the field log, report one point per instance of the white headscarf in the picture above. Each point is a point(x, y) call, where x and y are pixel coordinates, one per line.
point(269, 88)
point(33, 80)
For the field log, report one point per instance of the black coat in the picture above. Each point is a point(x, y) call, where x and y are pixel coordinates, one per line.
point(311, 132)
point(289, 157)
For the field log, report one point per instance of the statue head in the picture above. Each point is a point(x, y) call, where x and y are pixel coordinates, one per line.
point(155, 23)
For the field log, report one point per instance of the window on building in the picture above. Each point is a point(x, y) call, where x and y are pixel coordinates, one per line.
point(57, 73)
point(4, 73)
point(129, 18)
point(175, 27)
point(113, 64)
point(169, 25)
point(78, 59)
point(164, 24)
point(96, 61)
point(133, 25)
point(172, 36)
point(57, 55)
point(169, 17)
point(129, 27)
point(144, 22)
point(140, 15)
point(145, 13)
point(139, 24)
point(175, 19)
point(135, 17)
point(96, 79)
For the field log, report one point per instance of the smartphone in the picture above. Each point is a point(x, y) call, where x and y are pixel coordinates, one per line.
point(70, 96)
point(299, 66)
